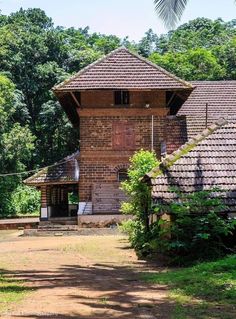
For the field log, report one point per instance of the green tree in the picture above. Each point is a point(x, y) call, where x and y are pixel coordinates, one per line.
point(197, 64)
point(147, 44)
point(16, 145)
point(198, 33)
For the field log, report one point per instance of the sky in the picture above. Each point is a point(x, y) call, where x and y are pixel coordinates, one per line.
point(130, 18)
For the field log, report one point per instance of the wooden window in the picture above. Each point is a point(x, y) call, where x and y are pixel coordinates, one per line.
point(123, 136)
point(122, 175)
point(121, 97)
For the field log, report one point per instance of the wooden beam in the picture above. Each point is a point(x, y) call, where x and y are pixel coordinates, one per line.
point(75, 99)
point(171, 99)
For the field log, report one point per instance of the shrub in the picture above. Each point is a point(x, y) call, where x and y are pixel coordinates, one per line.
point(139, 204)
point(198, 227)
point(25, 200)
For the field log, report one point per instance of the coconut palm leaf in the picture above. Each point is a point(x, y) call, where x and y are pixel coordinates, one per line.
point(170, 11)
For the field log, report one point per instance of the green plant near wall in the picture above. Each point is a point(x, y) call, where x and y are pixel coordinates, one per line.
point(198, 229)
point(139, 204)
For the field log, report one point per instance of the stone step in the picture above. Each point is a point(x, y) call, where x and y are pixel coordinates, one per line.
point(59, 221)
point(57, 228)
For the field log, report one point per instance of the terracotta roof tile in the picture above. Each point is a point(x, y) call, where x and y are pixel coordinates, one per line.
point(203, 163)
point(122, 69)
point(65, 171)
point(221, 99)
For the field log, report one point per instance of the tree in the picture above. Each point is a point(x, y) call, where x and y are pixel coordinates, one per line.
point(147, 44)
point(16, 145)
point(170, 11)
point(197, 64)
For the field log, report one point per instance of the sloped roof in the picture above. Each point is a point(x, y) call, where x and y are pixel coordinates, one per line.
point(221, 99)
point(65, 171)
point(122, 69)
point(204, 162)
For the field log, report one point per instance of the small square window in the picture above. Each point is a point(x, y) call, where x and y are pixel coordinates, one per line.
point(122, 175)
point(121, 97)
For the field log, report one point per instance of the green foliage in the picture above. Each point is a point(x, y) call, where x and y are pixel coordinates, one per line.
point(25, 200)
point(198, 228)
point(16, 145)
point(201, 49)
point(139, 204)
point(73, 198)
point(201, 289)
point(197, 64)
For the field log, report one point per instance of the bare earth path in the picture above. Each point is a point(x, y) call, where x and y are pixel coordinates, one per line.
point(81, 277)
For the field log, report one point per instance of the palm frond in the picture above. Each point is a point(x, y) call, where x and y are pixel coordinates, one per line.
point(170, 11)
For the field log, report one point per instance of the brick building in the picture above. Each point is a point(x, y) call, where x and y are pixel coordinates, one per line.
point(120, 104)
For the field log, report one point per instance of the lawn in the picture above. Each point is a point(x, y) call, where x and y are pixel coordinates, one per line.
point(204, 291)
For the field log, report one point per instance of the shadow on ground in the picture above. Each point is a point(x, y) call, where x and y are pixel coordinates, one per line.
point(108, 291)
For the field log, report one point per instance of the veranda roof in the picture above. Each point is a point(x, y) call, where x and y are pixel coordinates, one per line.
point(65, 171)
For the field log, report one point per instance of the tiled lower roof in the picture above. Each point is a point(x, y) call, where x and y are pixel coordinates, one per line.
point(221, 99)
point(205, 162)
point(64, 172)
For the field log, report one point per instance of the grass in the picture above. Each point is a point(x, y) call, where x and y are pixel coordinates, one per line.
point(11, 291)
point(204, 291)
point(94, 248)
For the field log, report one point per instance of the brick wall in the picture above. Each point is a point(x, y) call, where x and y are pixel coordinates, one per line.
point(138, 99)
point(99, 162)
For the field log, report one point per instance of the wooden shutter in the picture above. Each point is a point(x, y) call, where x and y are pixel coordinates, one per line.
point(123, 136)
point(117, 136)
point(129, 136)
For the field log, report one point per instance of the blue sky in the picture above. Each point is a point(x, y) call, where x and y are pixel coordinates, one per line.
point(123, 17)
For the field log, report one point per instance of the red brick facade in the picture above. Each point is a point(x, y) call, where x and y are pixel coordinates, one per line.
point(100, 159)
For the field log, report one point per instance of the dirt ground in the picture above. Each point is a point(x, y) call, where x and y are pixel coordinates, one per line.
point(95, 277)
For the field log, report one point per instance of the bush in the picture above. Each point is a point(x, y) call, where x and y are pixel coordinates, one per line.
point(198, 228)
point(25, 200)
point(139, 204)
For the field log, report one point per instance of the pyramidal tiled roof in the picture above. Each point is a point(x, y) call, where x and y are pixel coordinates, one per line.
point(204, 162)
point(65, 171)
point(122, 69)
point(221, 99)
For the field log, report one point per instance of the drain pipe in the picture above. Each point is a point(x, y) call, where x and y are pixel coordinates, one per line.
point(152, 137)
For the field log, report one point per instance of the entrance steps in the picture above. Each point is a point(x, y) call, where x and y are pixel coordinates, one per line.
point(58, 221)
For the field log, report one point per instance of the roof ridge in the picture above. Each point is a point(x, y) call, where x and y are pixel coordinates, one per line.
point(86, 68)
point(185, 148)
point(122, 48)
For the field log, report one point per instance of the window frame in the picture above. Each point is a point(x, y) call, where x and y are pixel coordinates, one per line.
point(121, 97)
point(124, 172)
